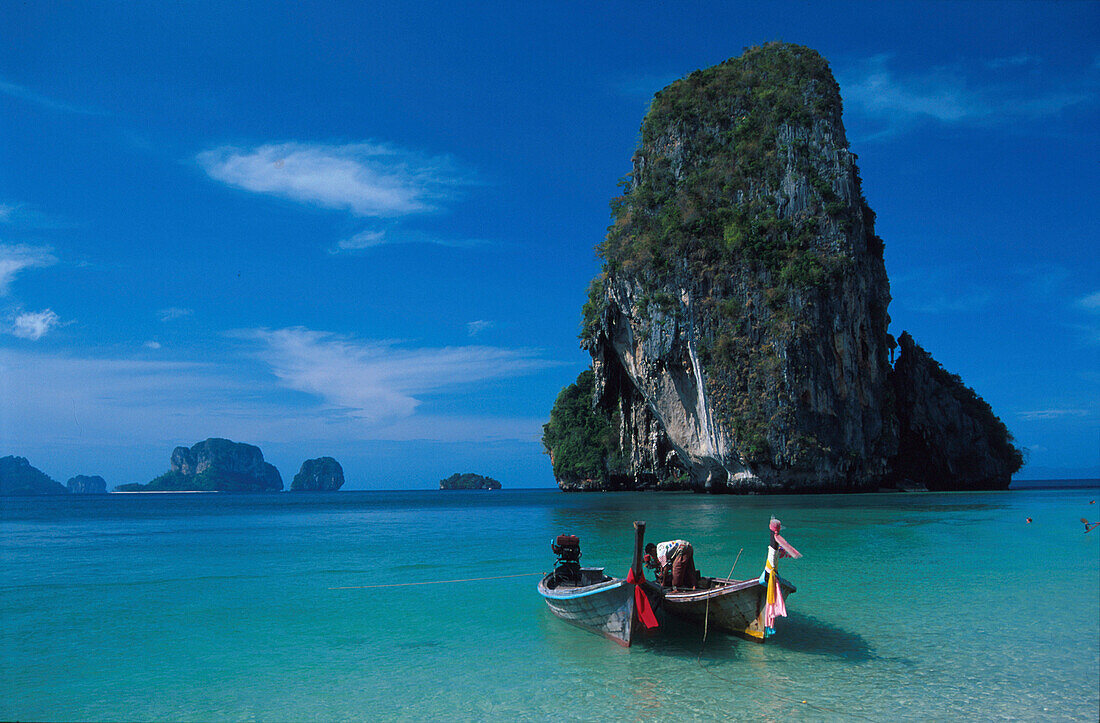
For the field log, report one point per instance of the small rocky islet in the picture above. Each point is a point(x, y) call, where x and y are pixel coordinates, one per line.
point(213, 465)
point(323, 474)
point(221, 465)
point(738, 328)
point(469, 481)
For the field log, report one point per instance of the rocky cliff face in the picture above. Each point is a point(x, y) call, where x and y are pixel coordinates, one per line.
point(87, 485)
point(215, 465)
point(740, 320)
point(738, 329)
point(323, 474)
point(949, 438)
point(18, 477)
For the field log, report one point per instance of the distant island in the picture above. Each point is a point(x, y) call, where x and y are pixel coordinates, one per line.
point(469, 481)
point(323, 474)
point(19, 478)
point(87, 485)
point(214, 465)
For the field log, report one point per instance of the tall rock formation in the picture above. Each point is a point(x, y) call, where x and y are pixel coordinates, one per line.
point(87, 485)
point(949, 438)
point(215, 465)
point(323, 474)
point(738, 328)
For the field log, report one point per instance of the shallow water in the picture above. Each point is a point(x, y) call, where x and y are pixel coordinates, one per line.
point(200, 607)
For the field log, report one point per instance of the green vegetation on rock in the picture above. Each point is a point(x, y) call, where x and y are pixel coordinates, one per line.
point(469, 481)
point(214, 465)
point(18, 477)
point(581, 440)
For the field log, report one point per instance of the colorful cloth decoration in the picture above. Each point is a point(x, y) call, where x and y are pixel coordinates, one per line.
point(785, 546)
point(775, 607)
point(641, 604)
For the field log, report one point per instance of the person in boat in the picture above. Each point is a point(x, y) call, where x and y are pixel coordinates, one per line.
point(673, 563)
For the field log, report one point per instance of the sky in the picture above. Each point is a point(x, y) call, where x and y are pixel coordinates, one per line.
point(366, 230)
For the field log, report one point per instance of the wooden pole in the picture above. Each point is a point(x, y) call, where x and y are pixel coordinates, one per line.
point(639, 538)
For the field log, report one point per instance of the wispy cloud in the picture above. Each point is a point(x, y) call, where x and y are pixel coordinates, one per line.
point(1045, 414)
point(14, 259)
point(34, 325)
point(989, 92)
point(367, 179)
point(378, 381)
point(290, 386)
point(172, 313)
point(933, 290)
point(371, 238)
point(18, 91)
point(1013, 61)
point(474, 328)
point(362, 240)
point(1090, 302)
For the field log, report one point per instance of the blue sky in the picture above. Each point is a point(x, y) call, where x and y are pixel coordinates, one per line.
point(366, 230)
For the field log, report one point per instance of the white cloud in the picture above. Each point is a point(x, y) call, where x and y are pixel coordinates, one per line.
point(1090, 302)
point(379, 381)
point(6, 211)
point(985, 93)
point(361, 240)
point(16, 258)
point(152, 345)
point(373, 238)
point(172, 313)
point(18, 91)
point(54, 400)
point(940, 290)
point(1044, 414)
point(364, 178)
point(35, 325)
point(476, 327)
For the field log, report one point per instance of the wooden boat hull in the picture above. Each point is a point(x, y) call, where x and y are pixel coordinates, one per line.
point(606, 608)
point(736, 606)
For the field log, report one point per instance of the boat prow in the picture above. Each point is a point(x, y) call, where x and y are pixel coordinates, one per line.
point(594, 601)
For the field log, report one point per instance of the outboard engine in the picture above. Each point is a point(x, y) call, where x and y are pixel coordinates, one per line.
point(567, 568)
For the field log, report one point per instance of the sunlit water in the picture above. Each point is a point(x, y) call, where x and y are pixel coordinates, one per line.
point(217, 607)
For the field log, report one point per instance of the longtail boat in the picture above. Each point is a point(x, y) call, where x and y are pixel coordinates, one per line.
point(746, 608)
point(617, 608)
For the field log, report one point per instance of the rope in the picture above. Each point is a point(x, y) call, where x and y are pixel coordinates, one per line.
point(437, 582)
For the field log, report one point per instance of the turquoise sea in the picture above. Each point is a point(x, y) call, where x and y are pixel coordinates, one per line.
point(225, 607)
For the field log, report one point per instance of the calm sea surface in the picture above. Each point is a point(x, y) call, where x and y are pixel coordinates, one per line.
point(223, 607)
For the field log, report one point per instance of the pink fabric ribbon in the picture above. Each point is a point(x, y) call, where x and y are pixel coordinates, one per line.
point(786, 547)
point(776, 609)
point(775, 526)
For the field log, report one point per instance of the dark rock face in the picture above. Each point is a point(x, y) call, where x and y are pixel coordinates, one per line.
point(469, 481)
point(85, 485)
point(216, 465)
point(323, 474)
point(738, 328)
point(740, 319)
point(949, 438)
point(19, 478)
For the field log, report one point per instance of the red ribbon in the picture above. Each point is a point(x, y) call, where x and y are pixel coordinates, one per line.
point(641, 604)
